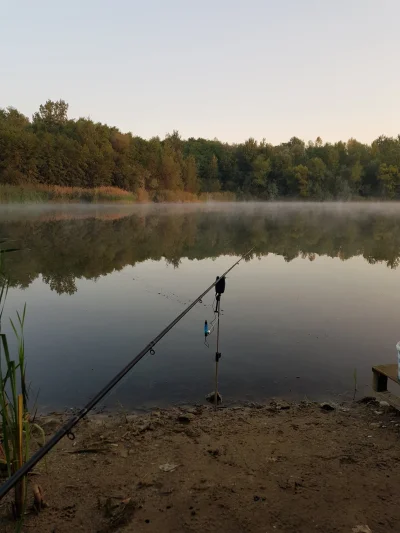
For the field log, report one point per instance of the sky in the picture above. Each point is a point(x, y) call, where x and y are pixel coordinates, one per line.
point(226, 69)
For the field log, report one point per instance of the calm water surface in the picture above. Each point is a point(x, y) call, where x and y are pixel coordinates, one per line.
point(318, 299)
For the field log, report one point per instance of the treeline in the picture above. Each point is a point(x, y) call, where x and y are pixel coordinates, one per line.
point(64, 250)
point(51, 149)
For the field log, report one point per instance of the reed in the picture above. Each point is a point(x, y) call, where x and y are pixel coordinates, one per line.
point(355, 384)
point(37, 193)
point(54, 193)
point(14, 416)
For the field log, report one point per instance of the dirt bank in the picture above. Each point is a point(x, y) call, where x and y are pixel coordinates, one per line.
point(260, 469)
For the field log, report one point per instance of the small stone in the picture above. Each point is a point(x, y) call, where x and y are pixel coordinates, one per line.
point(378, 412)
point(123, 453)
point(384, 404)
point(361, 529)
point(50, 424)
point(375, 425)
point(211, 398)
point(325, 406)
point(167, 467)
point(146, 427)
point(279, 405)
point(190, 410)
point(185, 418)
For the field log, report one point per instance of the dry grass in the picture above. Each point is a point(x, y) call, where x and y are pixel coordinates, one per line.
point(142, 196)
point(55, 193)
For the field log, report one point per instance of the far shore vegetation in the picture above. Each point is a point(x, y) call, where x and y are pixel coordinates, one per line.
point(53, 158)
point(55, 193)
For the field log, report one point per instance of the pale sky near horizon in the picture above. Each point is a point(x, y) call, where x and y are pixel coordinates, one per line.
point(229, 69)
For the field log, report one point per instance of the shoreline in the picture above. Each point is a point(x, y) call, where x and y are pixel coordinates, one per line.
point(56, 195)
point(284, 467)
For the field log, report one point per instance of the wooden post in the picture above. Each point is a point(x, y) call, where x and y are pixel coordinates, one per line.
point(379, 381)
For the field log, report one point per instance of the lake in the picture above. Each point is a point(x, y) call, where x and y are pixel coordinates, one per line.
point(316, 301)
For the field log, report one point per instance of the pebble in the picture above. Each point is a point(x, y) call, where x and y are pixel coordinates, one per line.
point(282, 405)
point(361, 529)
point(325, 406)
point(50, 424)
point(185, 418)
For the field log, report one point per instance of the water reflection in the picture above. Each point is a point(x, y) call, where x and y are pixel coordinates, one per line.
point(299, 316)
point(64, 244)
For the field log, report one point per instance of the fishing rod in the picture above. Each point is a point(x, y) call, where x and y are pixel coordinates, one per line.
point(66, 429)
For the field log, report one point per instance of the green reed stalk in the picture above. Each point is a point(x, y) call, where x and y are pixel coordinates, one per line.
point(15, 425)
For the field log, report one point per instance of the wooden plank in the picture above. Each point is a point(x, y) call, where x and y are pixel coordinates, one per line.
point(390, 371)
point(391, 399)
point(379, 381)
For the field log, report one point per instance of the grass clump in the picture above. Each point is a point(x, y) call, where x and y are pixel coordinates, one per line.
point(55, 193)
point(16, 423)
point(37, 193)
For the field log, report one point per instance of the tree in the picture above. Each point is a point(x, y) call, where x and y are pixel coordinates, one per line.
point(52, 114)
point(300, 173)
point(52, 149)
point(211, 181)
point(261, 167)
point(190, 180)
point(389, 177)
point(170, 172)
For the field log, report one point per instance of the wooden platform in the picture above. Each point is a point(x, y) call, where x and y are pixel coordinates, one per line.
point(380, 376)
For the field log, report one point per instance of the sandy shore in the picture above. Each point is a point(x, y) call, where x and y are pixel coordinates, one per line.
point(260, 469)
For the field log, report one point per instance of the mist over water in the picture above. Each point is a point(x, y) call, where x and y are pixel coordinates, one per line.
point(317, 299)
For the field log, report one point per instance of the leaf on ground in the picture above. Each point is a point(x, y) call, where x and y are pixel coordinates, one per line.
point(167, 467)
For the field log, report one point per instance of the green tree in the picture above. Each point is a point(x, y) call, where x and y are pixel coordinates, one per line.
point(300, 173)
point(170, 172)
point(261, 167)
point(190, 179)
point(52, 114)
point(212, 183)
point(389, 178)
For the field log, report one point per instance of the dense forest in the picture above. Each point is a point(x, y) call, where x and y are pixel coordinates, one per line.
point(63, 250)
point(51, 149)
